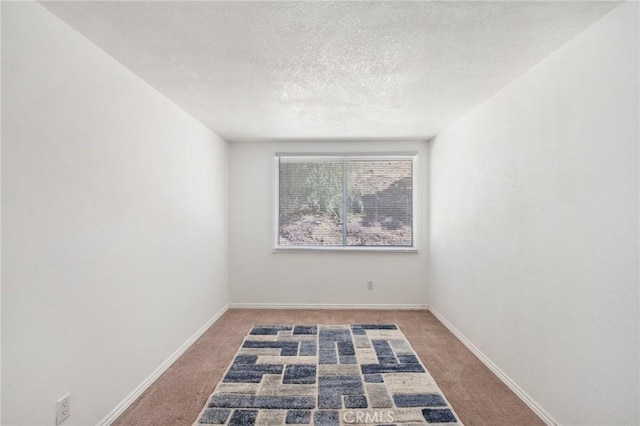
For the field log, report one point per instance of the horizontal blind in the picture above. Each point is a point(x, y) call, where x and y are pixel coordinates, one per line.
point(380, 203)
point(317, 194)
point(310, 194)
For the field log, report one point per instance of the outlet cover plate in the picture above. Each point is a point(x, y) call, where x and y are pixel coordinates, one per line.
point(63, 409)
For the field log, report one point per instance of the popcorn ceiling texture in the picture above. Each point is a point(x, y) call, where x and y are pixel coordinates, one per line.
point(324, 70)
point(326, 375)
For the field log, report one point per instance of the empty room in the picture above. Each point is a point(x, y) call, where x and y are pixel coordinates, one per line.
point(321, 213)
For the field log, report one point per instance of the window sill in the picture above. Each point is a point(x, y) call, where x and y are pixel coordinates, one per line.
point(358, 249)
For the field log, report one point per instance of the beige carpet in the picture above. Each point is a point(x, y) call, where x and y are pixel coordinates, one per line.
point(476, 394)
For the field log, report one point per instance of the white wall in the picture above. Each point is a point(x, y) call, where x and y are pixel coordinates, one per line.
point(534, 227)
point(257, 275)
point(114, 223)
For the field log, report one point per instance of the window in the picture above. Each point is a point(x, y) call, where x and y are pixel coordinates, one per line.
point(345, 201)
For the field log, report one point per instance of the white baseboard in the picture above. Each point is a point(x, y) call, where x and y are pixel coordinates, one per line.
point(122, 406)
point(531, 403)
point(325, 306)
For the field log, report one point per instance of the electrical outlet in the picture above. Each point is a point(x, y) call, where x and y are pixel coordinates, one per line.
point(369, 285)
point(63, 409)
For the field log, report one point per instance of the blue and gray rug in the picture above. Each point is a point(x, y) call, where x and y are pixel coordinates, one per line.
point(327, 375)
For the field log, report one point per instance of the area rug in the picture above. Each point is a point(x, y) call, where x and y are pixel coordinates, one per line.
point(326, 375)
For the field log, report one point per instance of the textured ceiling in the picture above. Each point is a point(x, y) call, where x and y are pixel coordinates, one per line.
point(328, 70)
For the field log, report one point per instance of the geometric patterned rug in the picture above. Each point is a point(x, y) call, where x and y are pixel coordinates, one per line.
point(327, 375)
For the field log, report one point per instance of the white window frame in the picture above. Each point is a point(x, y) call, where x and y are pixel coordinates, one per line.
point(413, 156)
